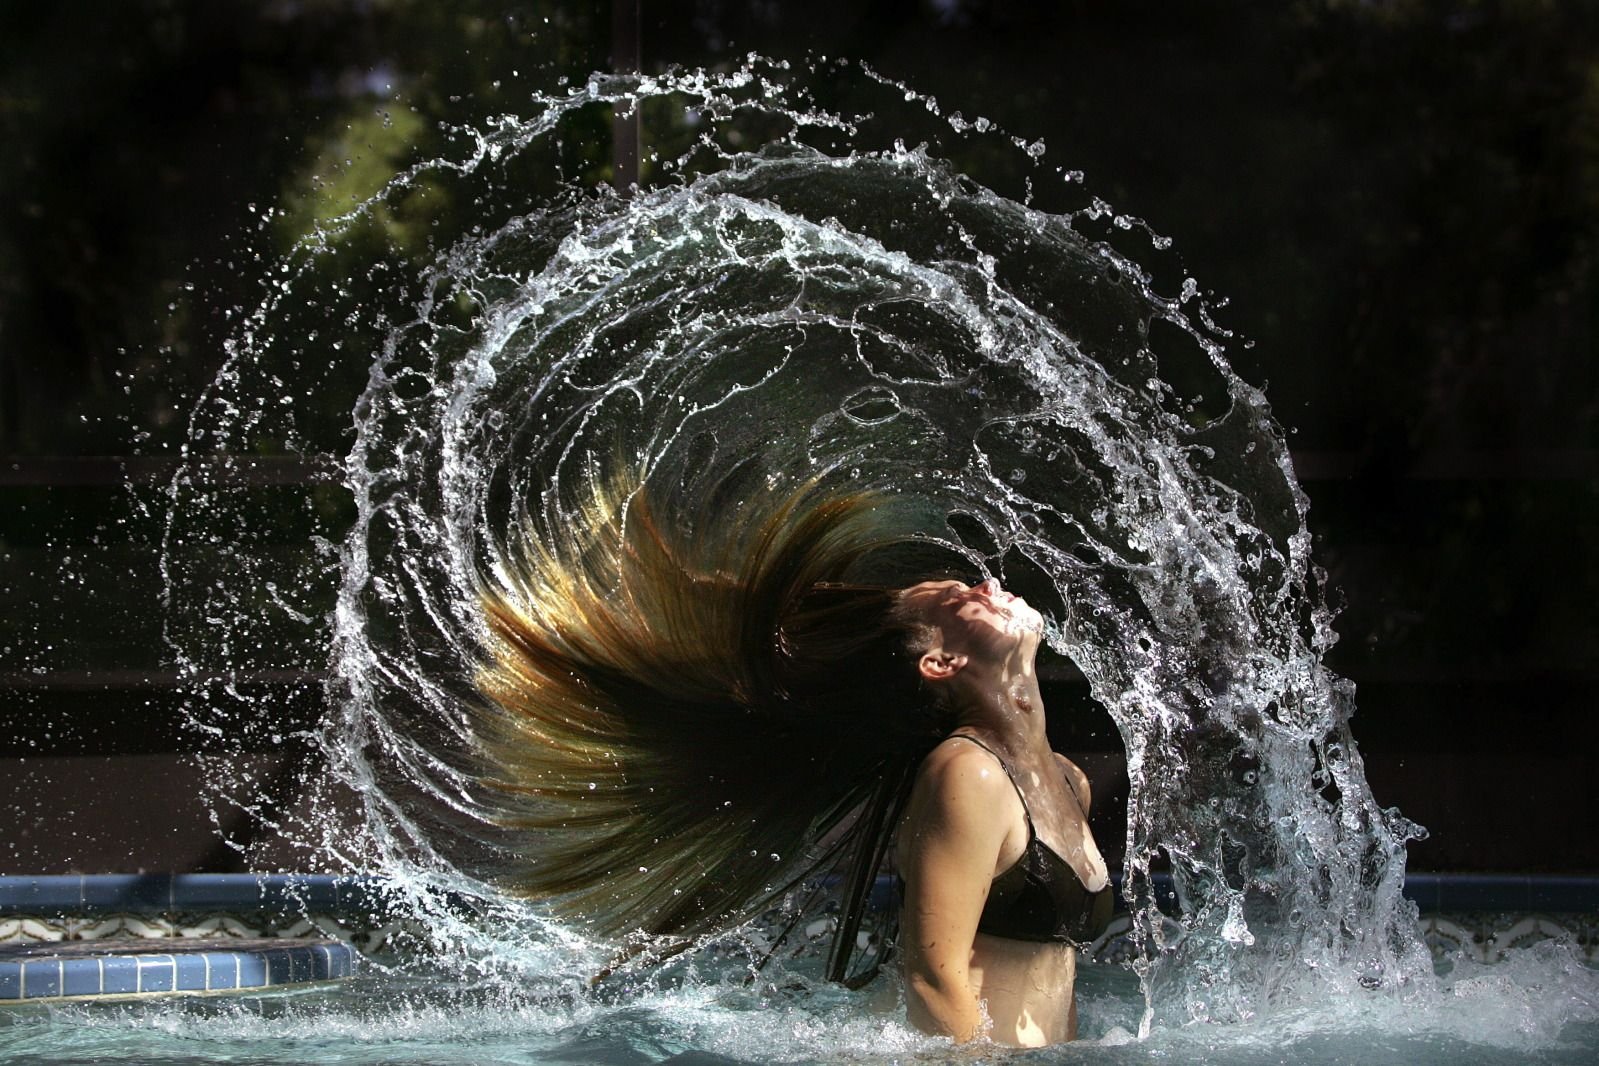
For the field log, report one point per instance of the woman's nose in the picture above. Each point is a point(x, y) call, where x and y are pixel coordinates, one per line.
point(987, 588)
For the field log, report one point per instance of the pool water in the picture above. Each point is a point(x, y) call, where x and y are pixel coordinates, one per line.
point(1538, 1006)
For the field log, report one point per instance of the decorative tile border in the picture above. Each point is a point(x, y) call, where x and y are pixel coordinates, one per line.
point(112, 907)
point(365, 936)
point(1488, 937)
point(33, 973)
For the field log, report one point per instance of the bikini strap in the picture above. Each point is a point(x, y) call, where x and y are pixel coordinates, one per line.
point(1026, 814)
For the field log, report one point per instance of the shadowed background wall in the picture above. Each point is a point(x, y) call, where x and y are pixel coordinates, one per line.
point(1399, 200)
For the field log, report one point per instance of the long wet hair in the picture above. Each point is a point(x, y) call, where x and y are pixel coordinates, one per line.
point(692, 725)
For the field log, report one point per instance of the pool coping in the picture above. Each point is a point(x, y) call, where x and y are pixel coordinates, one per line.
point(365, 894)
point(165, 893)
point(1458, 893)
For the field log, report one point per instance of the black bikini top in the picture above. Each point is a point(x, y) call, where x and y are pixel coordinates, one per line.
point(1041, 898)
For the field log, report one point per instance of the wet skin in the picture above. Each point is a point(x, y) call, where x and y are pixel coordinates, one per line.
point(964, 825)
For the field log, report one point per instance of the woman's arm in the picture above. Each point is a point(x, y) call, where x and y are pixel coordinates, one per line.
point(949, 845)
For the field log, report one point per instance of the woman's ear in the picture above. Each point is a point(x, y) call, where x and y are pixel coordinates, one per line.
point(940, 665)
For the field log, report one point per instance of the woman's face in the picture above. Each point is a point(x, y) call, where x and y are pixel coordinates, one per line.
point(981, 620)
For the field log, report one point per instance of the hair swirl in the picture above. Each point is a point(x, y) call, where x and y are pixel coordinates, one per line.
point(691, 724)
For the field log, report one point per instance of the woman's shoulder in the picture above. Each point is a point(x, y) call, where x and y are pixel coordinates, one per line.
point(959, 788)
point(962, 763)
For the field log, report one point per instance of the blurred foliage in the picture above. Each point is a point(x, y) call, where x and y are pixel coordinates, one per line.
point(1401, 197)
point(142, 137)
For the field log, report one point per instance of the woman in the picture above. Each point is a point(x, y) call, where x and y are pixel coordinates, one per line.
point(690, 718)
point(1001, 873)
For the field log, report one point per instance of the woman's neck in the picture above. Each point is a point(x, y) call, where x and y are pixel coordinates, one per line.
point(1004, 704)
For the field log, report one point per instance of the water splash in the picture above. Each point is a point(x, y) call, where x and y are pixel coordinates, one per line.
point(798, 293)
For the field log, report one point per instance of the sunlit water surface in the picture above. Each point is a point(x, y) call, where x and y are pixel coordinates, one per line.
point(803, 291)
point(1481, 1017)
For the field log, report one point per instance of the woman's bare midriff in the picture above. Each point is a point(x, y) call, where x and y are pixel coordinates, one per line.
point(1026, 989)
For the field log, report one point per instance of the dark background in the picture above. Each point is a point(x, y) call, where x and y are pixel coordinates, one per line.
point(1398, 199)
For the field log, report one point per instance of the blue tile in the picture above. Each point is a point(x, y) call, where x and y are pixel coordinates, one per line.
point(277, 962)
point(292, 962)
point(369, 896)
point(300, 892)
point(41, 895)
point(155, 893)
point(290, 892)
point(252, 971)
point(1423, 889)
point(1483, 892)
point(121, 974)
point(224, 969)
point(199, 892)
point(41, 978)
point(191, 971)
point(140, 893)
point(1569, 895)
point(81, 977)
point(321, 891)
point(279, 894)
point(358, 893)
point(1515, 893)
point(155, 973)
point(334, 961)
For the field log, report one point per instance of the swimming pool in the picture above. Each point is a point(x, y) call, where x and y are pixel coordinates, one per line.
point(439, 1017)
point(1514, 986)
